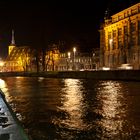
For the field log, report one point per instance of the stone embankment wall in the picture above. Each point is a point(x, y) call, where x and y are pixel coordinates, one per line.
point(10, 128)
point(97, 75)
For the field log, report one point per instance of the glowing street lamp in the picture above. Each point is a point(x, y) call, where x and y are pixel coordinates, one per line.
point(69, 54)
point(68, 60)
point(74, 51)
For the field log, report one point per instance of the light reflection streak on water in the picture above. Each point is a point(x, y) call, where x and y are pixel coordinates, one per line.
point(4, 88)
point(75, 109)
point(110, 96)
point(73, 104)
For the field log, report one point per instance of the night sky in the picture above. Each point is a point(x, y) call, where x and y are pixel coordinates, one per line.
point(69, 22)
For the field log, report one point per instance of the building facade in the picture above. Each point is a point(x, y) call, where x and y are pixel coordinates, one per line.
point(25, 58)
point(19, 59)
point(79, 61)
point(120, 39)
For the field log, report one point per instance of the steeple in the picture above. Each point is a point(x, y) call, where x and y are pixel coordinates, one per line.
point(107, 18)
point(12, 45)
point(13, 38)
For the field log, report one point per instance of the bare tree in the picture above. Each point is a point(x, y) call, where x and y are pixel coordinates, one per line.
point(52, 56)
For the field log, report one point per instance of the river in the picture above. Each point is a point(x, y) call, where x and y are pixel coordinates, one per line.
point(72, 109)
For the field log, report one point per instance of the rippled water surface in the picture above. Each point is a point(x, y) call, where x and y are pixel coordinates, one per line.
point(74, 108)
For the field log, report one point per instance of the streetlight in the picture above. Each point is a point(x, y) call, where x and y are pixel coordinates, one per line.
point(74, 51)
point(68, 60)
point(94, 66)
point(69, 54)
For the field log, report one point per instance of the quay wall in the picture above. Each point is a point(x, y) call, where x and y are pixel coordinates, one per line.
point(10, 127)
point(96, 75)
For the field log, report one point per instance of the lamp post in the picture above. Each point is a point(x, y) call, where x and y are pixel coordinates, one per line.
point(69, 55)
point(68, 60)
point(93, 62)
point(74, 51)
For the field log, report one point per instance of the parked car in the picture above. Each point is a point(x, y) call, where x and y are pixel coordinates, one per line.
point(125, 67)
point(105, 68)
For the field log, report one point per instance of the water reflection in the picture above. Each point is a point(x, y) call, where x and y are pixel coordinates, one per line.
point(75, 108)
point(72, 104)
point(4, 88)
point(113, 110)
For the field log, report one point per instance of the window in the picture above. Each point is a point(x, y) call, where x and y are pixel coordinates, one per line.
point(138, 32)
point(119, 37)
point(126, 35)
point(133, 40)
point(132, 27)
point(114, 33)
point(114, 44)
point(119, 43)
point(109, 37)
point(120, 17)
point(133, 33)
point(125, 30)
point(119, 31)
point(125, 14)
point(134, 11)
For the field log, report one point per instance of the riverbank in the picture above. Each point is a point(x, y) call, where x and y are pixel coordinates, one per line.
point(96, 75)
point(10, 128)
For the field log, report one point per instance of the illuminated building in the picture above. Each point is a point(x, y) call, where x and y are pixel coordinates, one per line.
point(27, 59)
point(12, 45)
point(120, 38)
point(52, 58)
point(19, 58)
point(81, 61)
point(74, 60)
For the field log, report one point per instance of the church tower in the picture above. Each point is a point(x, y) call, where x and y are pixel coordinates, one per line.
point(12, 45)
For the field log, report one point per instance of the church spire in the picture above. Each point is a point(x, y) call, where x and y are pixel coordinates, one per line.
point(12, 45)
point(13, 38)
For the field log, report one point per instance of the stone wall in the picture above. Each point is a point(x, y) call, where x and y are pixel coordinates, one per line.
point(96, 75)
